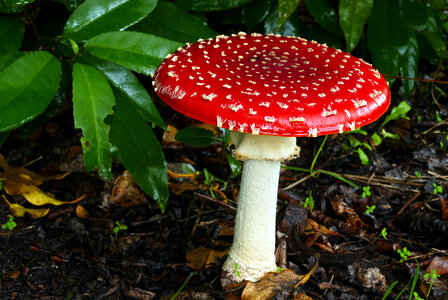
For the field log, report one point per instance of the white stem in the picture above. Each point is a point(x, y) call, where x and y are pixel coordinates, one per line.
point(252, 252)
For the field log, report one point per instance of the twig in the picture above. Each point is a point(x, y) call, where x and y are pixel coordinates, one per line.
point(183, 285)
point(214, 200)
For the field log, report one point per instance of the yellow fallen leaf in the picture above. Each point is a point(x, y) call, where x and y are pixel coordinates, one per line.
point(34, 177)
point(20, 211)
point(19, 185)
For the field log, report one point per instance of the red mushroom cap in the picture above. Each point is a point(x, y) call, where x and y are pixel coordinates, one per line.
point(272, 85)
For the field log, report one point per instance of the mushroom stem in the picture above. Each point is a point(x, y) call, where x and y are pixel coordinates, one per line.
point(252, 252)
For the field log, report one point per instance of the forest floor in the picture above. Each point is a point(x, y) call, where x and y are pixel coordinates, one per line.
point(336, 251)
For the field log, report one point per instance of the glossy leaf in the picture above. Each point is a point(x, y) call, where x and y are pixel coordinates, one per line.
point(12, 30)
point(14, 6)
point(94, 17)
point(409, 64)
point(210, 5)
point(139, 150)
point(386, 46)
point(353, 16)
point(124, 80)
point(325, 14)
point(27, 87)
point(93, 100)
point(285, 10)
point(196, 136)
point(270, 25)
point(171, 22)
point(137, 51)
point(71, 4)
point(255, 12)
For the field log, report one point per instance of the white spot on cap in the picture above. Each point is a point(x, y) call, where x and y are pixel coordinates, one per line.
point(283, 105)
point(254, 129)
point(227, 86)
point(231, 124)
point(328, 112)
point(352, 125)
point(252, 112)
point(270, 119)
point(242, 127)
point(296, 119)
point(209, 97)
point(341, 128)
point(219, 121)
point(264, 104)
point(235, 107)
point(312, 132)
point(360, 103)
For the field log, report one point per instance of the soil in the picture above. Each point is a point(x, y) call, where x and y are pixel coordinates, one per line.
point(73, 253)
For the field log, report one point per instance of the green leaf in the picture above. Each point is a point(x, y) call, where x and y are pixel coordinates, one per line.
point(386, 46)
point(325, 14)
point(409, 64)
point(171, 22)
point(353, 16)
point(139, 150)
point(12, 30)
point(210, 5)
point(255, 12)
point(235, 165)
point(14, 6)
point(137, 51)
point(94, 17)
point(9, 58)
point(362, 156)
point(71, 4)
point(124, 80)
point(285, 10)
point(93, 100)
point(288, 28)
point(27, 87)
point(196, 136)
point(397, 112)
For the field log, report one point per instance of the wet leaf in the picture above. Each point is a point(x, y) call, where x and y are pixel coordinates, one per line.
point(126, 193)
point(312, 227)
point(353, 15)
point(93, 100)
point(285, 10)
point(20, 211)
point(94, 17)
point(139, 150)
point(203, 257)
point(210, 5)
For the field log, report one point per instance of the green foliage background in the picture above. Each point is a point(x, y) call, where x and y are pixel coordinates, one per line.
point(93, 50)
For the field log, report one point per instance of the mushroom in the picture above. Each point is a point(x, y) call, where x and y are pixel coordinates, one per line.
point(268, 90)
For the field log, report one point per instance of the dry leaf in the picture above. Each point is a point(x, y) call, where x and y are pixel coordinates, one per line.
point(34, 177)
point(20, 211)
point(274, 283)
point(169, 134)
point(81, 212)
point(439, 264)
point(126, 193)
point(342, 209)
point(203, 257)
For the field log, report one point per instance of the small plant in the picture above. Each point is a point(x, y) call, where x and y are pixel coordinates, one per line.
point(235, 265)
point(369, 209)
point(384, 233)
point(431, 276)
point(404, 254)
point(309, 202)
point(280, 269)
point(10, 225)
point(417, 297)
point(366, 191)
point(437, 189)
point(1, 183)
point(119, 228)
point(417, 174)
